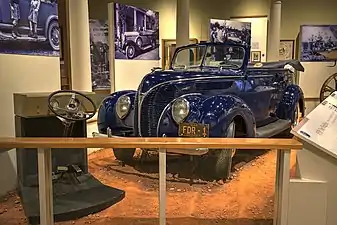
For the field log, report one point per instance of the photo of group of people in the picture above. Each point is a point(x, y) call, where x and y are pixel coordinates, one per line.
point(99, 54)
point(223, 30)
point(29, 27)
point(318, 43)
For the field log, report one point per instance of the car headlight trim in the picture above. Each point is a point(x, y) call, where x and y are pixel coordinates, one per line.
point(180, 110)
point(123, 106)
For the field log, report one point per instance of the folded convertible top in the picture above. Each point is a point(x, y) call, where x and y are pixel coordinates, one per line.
point(278, 65)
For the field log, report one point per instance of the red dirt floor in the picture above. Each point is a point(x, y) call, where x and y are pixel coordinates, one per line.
point(247, 199)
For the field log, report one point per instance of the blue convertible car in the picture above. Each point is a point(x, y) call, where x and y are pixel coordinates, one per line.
point(216, 93)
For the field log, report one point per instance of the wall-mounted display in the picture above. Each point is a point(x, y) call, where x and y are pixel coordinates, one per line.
point(136, 33)
point(29, 27)
point(168, 48)
point(318, 43)
point(286, 50)
point(255, 56)
point(222, 30)
point(99, 54)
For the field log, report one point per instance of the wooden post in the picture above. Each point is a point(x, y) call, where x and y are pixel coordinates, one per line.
point(45, 186)
point(282, 187)
point(162, 187)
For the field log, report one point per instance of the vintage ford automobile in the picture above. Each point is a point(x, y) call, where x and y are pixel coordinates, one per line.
point(215, 94)
point(133, 43)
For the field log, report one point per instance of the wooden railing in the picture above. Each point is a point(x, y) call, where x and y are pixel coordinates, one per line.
point(164, 145)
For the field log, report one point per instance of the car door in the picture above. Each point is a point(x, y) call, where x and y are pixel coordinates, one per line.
point(24, 12)
point(5, 12)
point(48, 8)
point(258, 92)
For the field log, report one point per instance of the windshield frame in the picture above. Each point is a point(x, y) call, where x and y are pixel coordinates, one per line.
point(208, 46)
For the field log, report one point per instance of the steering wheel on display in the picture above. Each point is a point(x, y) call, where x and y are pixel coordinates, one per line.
point(71, 106)
point(328, 87)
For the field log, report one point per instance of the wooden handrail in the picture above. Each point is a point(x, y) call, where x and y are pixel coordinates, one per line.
point(163, 145)
point(133, 142)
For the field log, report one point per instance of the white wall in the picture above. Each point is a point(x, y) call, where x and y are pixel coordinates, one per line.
point(129, 73)
point(21, 74)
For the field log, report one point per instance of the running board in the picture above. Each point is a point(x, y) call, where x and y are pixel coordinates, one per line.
point(273, 129)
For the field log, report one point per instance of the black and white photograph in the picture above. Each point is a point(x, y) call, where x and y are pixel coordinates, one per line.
point(256, 56)
point(318, 43)
point(286, 51)
point(136, 33)
point(222, 30)
point(99, 54)
point(29, 27)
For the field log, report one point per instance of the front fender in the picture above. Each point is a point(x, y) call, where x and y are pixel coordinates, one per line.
point(217, 111)
point(287, 106)
point(220, 111)
point(107, 116)
point(130, 43)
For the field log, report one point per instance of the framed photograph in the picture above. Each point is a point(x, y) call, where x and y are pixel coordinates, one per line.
point(168, 48)
point(223, 30)
point(99, 52)
point(255, 56)
point(318, 43)
point(287, 49)
point(136, 33)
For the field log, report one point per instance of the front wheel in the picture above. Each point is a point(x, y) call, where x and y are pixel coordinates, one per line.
point(124, 154)
point(130, 51)
point(217, 164)
point(54, 35)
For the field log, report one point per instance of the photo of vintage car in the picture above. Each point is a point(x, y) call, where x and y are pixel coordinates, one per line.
point(136, 42)
point(136, 33)
point(218, 93)
point(47, 23)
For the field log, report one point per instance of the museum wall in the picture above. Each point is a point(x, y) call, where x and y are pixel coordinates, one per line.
point(21, 73)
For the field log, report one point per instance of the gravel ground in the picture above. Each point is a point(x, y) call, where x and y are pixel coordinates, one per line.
point(247, 199)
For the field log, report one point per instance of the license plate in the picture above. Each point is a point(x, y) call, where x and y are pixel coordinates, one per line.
point(193, 130)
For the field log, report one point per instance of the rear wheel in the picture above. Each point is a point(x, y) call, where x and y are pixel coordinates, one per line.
point(217, 163)
point(124, 154)
point(53, 35)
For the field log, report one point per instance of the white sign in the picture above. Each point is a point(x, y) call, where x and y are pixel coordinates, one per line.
point(320, 126)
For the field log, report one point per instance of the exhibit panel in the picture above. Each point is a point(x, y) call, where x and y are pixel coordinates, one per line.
point(317, 161)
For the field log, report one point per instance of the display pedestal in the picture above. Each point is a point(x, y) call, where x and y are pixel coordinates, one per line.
point(313, 195)
point(74, 195)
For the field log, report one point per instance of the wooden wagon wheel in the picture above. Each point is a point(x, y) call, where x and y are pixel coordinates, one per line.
point(329, 86)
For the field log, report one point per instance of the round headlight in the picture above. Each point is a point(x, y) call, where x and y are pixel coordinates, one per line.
point(180, 110)
point(123, 106)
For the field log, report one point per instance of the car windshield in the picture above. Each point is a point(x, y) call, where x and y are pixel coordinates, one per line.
point(215, 56)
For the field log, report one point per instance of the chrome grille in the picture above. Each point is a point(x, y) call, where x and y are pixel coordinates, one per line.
point(152, 106)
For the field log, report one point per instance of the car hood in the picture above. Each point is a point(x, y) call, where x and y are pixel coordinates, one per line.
point(158, 77)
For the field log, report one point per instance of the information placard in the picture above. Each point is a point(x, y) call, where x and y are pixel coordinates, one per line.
point(319, 128)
